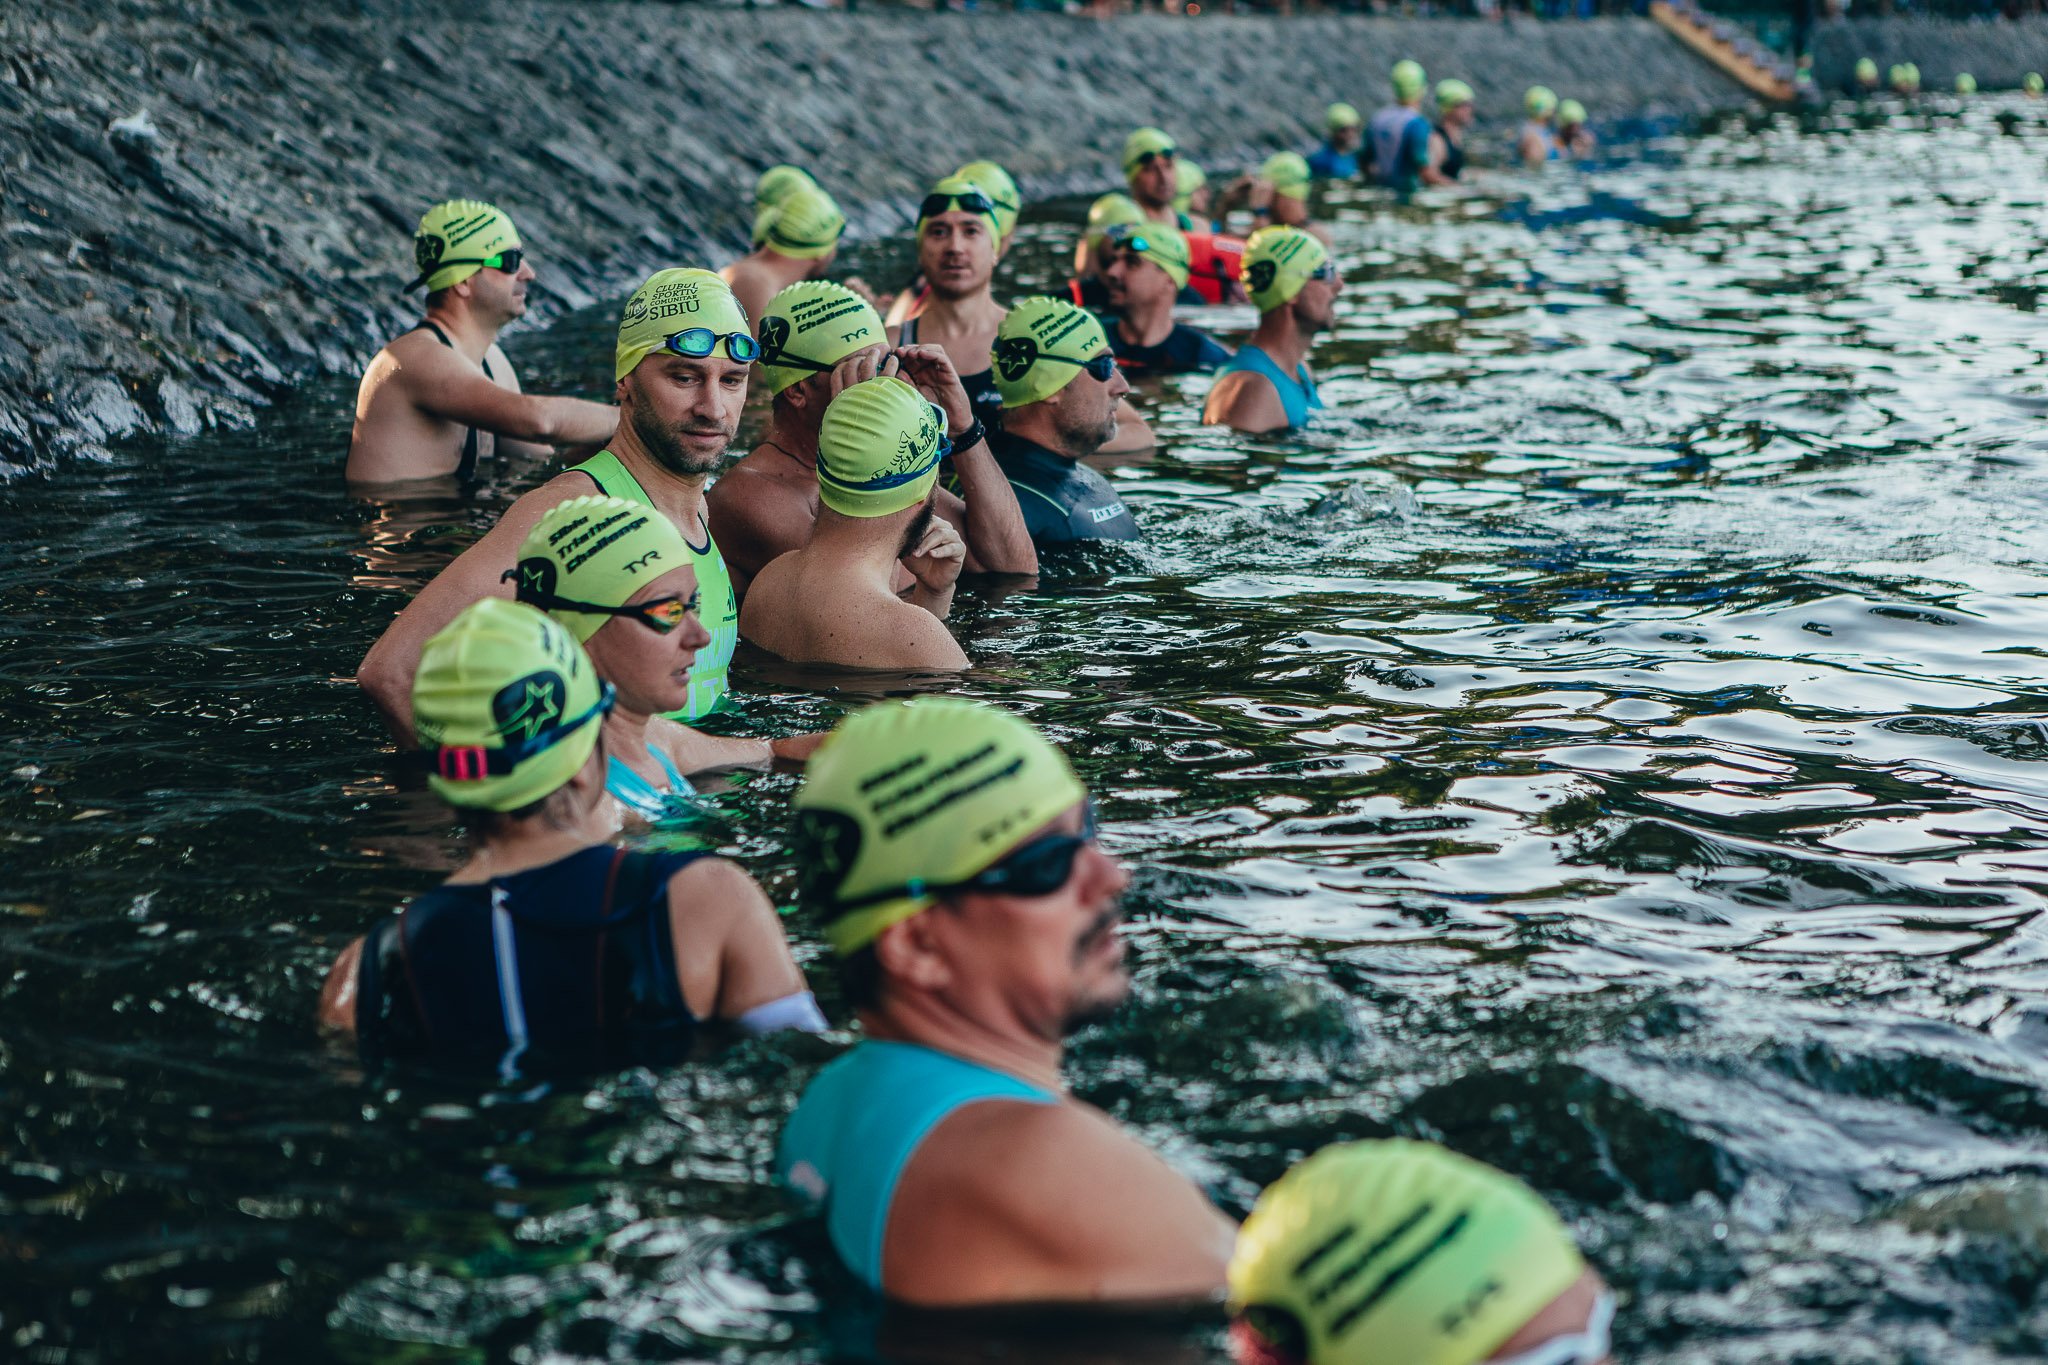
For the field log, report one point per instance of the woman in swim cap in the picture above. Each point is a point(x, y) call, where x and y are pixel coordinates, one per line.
point(549, 948)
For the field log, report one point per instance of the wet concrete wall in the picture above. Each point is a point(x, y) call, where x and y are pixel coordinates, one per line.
point(1997, 53)
point(201, 204)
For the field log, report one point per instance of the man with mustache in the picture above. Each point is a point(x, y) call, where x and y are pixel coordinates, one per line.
point(437, 399)
point(950, 853)
point(681, 366)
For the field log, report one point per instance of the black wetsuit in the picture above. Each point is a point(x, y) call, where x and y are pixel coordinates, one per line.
point(1063, 500)
point(982, 394)
point(472, 442)
point(1454, 155)
point(566, 965)
point(1185, 350)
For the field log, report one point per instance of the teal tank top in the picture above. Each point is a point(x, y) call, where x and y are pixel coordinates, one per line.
point(651, 803)
point(718, 607)
point(861, 1121)
point(1297, 391)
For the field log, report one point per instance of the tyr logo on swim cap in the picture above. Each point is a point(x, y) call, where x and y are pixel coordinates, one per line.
point(1042, 344)
point(530, 705)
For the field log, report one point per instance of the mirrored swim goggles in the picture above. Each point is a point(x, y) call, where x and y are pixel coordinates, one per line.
point(509, 260)
point(1015, 355)
point(695, 343)
point(472, 762)
point(972, 201)
point(1038, 868)
point(1145, 159)
point(1132, 236)
point(661, 616)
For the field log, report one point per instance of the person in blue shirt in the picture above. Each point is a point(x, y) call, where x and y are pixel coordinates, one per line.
point(1294, 284)
point(1337, 158)
point(951, 855)
point(1397, 140)
point(1148, 267)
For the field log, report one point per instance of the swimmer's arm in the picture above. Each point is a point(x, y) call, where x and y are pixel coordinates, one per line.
point(988, 516)
point(755, 520)
point(693, 751)
point(386, 671)
point(337, 1013)
point(1433, 169)
point(730, 951)
point(1246, 401)
point(1133, 432)
point(444, 385)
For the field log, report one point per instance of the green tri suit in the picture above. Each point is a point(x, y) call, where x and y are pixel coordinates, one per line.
point(718, 608)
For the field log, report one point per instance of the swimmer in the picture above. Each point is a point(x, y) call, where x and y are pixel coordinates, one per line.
point(765, 505)
point(2032, 84)
point(833, 600)
point(1866, 76)
point(1147, 270)
point(548, 946)
point(1267, 385)
point(958, 241)
point(1395, 1252)
point(1455, 110)
point(951, 854)
point(443, 395)
point(1966, 84)
point(1574, 138)
point(1191, 192)
point(776, 184)
point(1062, 396)
point(1153, 177)
point(1537, 142)
point(1905, 79)
point(618, 576)
point(1337, 158)
point(680, 370)
point(1280, 191)
point(1397, 140)
point(1091, 253)
point(799, 239)
point(1002, 191)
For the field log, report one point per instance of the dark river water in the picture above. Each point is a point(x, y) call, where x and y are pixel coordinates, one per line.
point(1612, 742)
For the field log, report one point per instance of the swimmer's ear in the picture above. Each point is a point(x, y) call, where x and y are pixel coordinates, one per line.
point(908, 951)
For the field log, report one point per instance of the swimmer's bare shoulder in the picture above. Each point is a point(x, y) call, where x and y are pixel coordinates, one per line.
point(798, 615)
point(1246, 401)
point(756, 516)
point(1009, 1201)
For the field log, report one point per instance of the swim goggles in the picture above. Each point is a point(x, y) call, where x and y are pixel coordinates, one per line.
point(695, 343)
point(1128, 235)
point(509, 260)
point(1015, 355)
point(972, 201)
point(1580, 1348)
point(472, 762)
point(1038, 868)
point(661, 616)
point(1145, 159)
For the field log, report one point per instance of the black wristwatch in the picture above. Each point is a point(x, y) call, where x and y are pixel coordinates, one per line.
point(970, 438)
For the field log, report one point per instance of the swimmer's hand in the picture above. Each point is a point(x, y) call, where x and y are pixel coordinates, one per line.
point(860, 367)
point(796, 748)
point(931, 370)
point(938, 558)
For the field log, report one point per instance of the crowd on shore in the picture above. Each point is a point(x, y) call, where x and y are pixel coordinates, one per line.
point(552, 684)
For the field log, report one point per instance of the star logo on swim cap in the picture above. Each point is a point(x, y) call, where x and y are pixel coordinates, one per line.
point(1014, 356)
point(530, 705)
point(1260, 275)
point(829, 841)
point(774, 336)
point(427, 250)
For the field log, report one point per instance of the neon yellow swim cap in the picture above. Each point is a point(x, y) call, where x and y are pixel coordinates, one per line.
point(1966, 84)
point(879, 448)
point(805, 226)
point(814, 321)
point(1410, 80)
point(1041, 345)
point(1866, 69)
point(951, 189)
point(1287, 173)
point(2031, 83)
point(1278, 261)
point(454, 239)
point(1111, 210)
point(909, 794)
point(1145, 142)
point(1159, 243)
point(996, 183)
point(1540, 101)
point(1571, 111)
point(598, 550)
point(1912, 73)
point(1341, 115)
point(1369, 1253)
point(672, 301)
point(502, 673)
point(1452, 93)
point(777, 182)
point(1187, 179)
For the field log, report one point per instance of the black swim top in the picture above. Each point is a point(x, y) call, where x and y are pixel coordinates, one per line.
point(982, 394)
point(566, 966)
point(1454, 154)
point(471, 442)
point(1063, 501)
point(1184, 350)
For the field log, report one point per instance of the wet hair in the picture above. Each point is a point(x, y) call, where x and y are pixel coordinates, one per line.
point(436, 298)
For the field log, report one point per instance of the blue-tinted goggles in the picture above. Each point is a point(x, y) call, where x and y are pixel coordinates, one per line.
point(698, 342)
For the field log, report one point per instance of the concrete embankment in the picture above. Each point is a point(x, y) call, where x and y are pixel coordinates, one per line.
point(1998, 53)
point(202, 204)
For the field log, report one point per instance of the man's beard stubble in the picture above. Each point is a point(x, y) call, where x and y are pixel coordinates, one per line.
point(665, 445)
